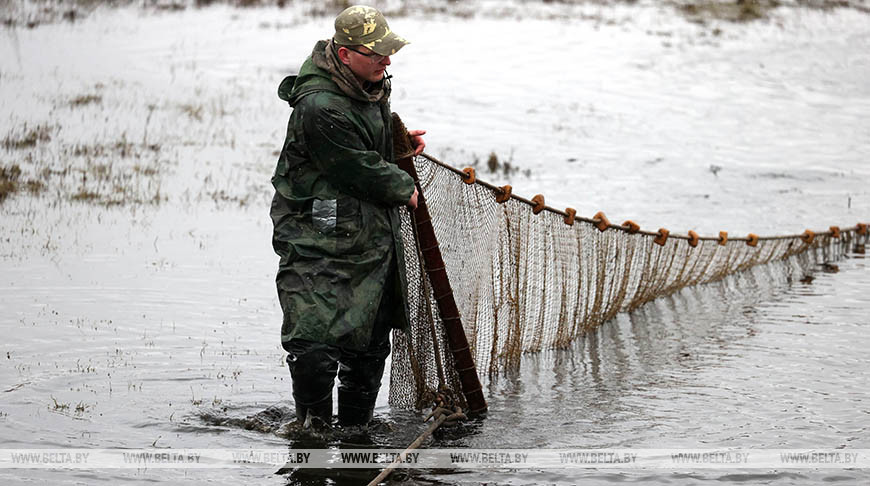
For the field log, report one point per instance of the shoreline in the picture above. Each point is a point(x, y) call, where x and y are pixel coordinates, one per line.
point(32, 14)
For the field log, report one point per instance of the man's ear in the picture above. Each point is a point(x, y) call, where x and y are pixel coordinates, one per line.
point(343, 55)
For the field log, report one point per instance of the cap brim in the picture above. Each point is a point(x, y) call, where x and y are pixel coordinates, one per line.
point(387, 45)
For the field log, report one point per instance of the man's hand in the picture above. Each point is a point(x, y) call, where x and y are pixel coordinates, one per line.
point(417, 140)
point(412, 203)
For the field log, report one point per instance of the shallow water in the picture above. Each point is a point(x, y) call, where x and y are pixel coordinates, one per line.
point(156, 325)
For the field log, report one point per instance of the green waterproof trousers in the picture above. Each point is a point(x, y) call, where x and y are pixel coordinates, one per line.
point(313, 368)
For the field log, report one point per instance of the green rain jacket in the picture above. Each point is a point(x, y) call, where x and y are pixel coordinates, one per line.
point(336, 213)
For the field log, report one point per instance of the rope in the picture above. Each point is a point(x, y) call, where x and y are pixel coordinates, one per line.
point(469, 177)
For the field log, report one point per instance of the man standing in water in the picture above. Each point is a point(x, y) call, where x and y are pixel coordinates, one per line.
point(341, 279)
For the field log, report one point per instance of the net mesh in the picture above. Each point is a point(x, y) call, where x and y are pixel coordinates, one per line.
point(527, 282)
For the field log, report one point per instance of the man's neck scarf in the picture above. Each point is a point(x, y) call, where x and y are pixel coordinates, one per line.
point(325, 56)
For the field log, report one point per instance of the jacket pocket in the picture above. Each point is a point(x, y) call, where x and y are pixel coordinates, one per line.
point(324, 214)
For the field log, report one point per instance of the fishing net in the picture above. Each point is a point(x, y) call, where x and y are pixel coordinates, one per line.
point(527, 277)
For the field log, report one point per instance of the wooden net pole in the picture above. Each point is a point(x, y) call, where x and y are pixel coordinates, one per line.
point(437, 274)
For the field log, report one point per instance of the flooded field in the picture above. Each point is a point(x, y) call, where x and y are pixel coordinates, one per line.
point(136, 269)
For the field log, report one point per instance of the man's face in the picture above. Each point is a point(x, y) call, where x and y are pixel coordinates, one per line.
point(365, 64)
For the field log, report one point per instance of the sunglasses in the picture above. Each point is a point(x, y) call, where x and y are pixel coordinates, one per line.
point(376, 58)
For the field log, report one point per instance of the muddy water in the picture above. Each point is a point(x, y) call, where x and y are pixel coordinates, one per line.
point(154, 324)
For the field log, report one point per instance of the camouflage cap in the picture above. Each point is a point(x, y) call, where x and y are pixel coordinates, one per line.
point(366, 26)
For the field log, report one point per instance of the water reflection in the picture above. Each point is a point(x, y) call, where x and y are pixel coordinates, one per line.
point(708, 367)
point(723, 365)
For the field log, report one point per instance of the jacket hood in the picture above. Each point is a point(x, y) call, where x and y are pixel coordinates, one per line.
point(310, 79)
point(319, 74)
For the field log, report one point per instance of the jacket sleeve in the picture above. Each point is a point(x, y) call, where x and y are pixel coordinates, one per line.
point(338, 151)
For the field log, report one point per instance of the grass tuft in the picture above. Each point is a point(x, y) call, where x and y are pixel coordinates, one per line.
point(29, 138)
point(34, 186)
point(505, 167)
point(194, 112)
point(12, 182)
point(9, 181)
point(85, 196)
point(729, 10)
point(83, 100)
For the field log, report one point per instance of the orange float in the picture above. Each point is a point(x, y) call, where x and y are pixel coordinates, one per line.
point(600, 221)
point(571, 214)
point(539, 203)
point(752, 239)
point(662, 238)
point(504, 195)
point(631, 227)
point(693, 239)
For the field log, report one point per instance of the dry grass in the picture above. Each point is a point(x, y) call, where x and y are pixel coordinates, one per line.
point(85, 195)
point(241, 3)
point(84, 100)
point(222, 196)
point(11, 182)
point(29, 137)
point(495, 165)
point(107, 173)
point(34, 186)
point(106, 181)
point(146, 171)
point(192, 111)
point(728, 10)
point(13, 15)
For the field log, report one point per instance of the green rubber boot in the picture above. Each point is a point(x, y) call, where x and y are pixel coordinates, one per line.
point(355, 408)
point(318, 415)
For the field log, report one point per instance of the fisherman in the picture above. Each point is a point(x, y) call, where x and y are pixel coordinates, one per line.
point(341, 279)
